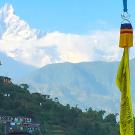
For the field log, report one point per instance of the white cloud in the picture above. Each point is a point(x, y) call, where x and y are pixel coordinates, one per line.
point(24, 44)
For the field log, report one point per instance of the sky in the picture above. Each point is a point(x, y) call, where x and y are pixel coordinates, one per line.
point(70, 16)
point(55, 31)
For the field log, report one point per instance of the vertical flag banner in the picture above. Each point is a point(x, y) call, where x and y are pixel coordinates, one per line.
point(123, 76)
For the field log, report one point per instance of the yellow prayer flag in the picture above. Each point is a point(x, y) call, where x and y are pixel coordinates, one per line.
point(123, 83)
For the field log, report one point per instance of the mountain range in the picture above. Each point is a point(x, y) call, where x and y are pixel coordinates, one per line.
point(88, 84)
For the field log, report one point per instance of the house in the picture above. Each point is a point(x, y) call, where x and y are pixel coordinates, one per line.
point(5, 80)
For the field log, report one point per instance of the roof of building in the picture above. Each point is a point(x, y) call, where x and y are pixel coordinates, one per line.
point(4, 77)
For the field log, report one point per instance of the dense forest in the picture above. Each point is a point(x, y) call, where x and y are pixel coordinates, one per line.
point(52, 115)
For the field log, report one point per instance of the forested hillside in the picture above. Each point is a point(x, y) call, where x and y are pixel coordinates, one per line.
point(54, 117)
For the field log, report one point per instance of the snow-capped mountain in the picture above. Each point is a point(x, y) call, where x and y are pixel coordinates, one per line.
point(27, 45)
point(11, 26)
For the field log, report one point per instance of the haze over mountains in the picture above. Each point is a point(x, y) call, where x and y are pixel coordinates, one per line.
point(14, 69)
point(90, 84)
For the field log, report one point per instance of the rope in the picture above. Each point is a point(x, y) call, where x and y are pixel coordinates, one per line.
point(125, 5)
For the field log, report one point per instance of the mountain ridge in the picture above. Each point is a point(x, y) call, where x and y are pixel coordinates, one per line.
point(79, 83)
point(75, 83)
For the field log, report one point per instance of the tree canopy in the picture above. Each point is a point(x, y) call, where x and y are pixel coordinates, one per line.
point(55, 118)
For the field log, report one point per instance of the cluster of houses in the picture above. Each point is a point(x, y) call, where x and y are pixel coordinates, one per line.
point(19, 124)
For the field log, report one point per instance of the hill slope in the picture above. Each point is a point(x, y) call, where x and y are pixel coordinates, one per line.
point(53, 116)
